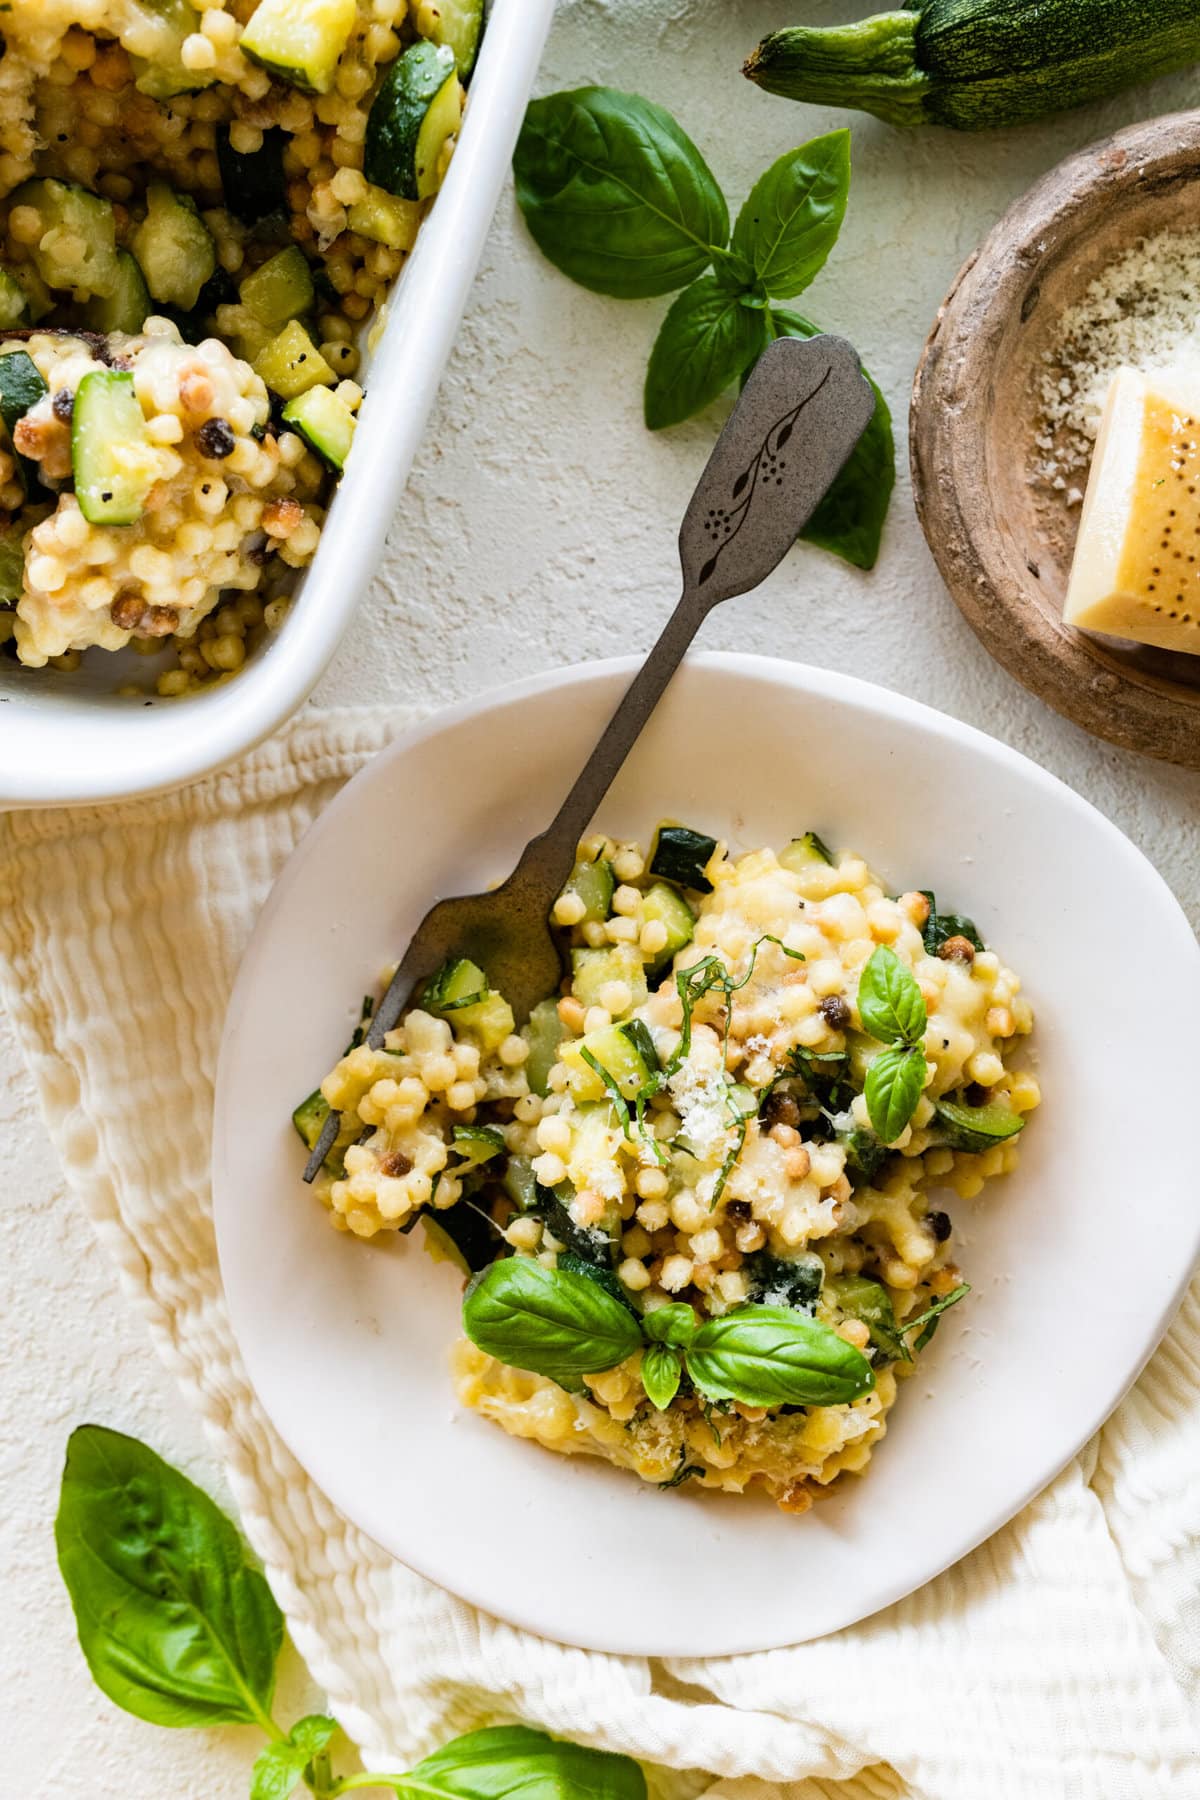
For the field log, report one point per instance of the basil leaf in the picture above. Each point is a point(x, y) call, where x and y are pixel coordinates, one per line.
point(849, 520)
point(514, 1760)
point(893, 1087)
point(280, 1767)
point(547, 1321)
point(770, 1356)
point(661, 1373)
point(940, 926)
point(673, 1324)
point(890, 1004)
point(791, 220)
point(930, 1318)
point(684, 1470)
point(615, 194)
point(176, 1626)
point(707, 340)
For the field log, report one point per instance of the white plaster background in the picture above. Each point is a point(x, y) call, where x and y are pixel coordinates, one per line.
point(539, 529)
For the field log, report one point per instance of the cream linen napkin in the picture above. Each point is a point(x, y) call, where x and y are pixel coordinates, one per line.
point(1059, 1662)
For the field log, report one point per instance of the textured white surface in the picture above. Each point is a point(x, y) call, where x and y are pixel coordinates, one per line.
point(539, 528)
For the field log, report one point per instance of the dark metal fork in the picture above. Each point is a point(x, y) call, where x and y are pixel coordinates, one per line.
point(800, 415)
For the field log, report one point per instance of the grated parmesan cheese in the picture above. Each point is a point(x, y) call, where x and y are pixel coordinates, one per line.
point(1141, 312)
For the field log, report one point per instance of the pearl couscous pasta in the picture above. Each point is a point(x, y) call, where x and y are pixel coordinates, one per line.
point(201, 205)
point(737, 1118)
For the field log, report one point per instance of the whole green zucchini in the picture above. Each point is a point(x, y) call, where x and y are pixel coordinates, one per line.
point(974, 64)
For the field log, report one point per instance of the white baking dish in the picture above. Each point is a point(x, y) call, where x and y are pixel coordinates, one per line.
point(72, 738)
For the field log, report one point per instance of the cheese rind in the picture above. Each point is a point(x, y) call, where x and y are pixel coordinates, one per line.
point(1136, 572)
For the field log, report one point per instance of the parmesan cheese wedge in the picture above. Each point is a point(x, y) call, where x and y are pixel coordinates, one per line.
point(1136, 572)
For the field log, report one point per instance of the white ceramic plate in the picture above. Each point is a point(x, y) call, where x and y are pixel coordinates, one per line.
point(67, 738)
point(1077, 1263)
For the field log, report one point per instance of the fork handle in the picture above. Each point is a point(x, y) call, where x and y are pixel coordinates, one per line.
point(802, 411)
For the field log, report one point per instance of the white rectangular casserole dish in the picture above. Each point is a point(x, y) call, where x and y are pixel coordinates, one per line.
point(70, 738)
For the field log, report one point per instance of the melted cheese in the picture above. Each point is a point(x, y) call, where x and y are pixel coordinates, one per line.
point(1136, 572)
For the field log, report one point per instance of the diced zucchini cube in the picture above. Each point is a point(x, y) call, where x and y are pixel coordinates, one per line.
point(803, 852)
point(386, 219)
point(77, 249)
point(112, 458)
point(323, 421)
point(174, 247)
point(668, 906)
point(300, 40)
point(544, 1032)
point(593, 970)
point(291, 363)
point(616, 1052)
point(417, 110)
point(280, 290)
point(594, 883)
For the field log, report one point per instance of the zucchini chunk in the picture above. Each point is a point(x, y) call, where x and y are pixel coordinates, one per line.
point(681, 856)
point(544, 1032)
point(620, 1052)
point(385, 219)
point(291, 363)
point(300, 40)
point(252, 180)
point(594, 969)
point(280, 290)
point(594, 884)
point(128, 306)
point(975, 1128)
point(78, 246)
point(417, 109)
point(456, 23)
point(310, 1116)
point(804, 851)
point(323, 421)
point(668, 906)
point(14, 303)
point(476, 1144)
point(173, 247)
point(21, 386)
point(459, 982)
point(460, 987)
point(12, 559)
point(114, 463)
point(158, 68)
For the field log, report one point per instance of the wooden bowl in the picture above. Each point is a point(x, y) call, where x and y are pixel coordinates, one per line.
point(1003, 544)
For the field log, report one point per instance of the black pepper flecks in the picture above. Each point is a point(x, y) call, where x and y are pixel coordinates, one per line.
point(63, 405)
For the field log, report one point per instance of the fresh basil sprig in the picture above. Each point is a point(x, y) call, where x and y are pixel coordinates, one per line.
point(708, 338)
point(179, 1628)
point(176, 1625)
point(615, 194)
point(619, 198)
point(558, 1325)
point(859, 1297)
point(772, 1356)
point(548, 1321)
point(892, 1009)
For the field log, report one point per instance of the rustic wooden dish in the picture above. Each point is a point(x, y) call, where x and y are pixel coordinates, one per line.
point(1004, 545)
